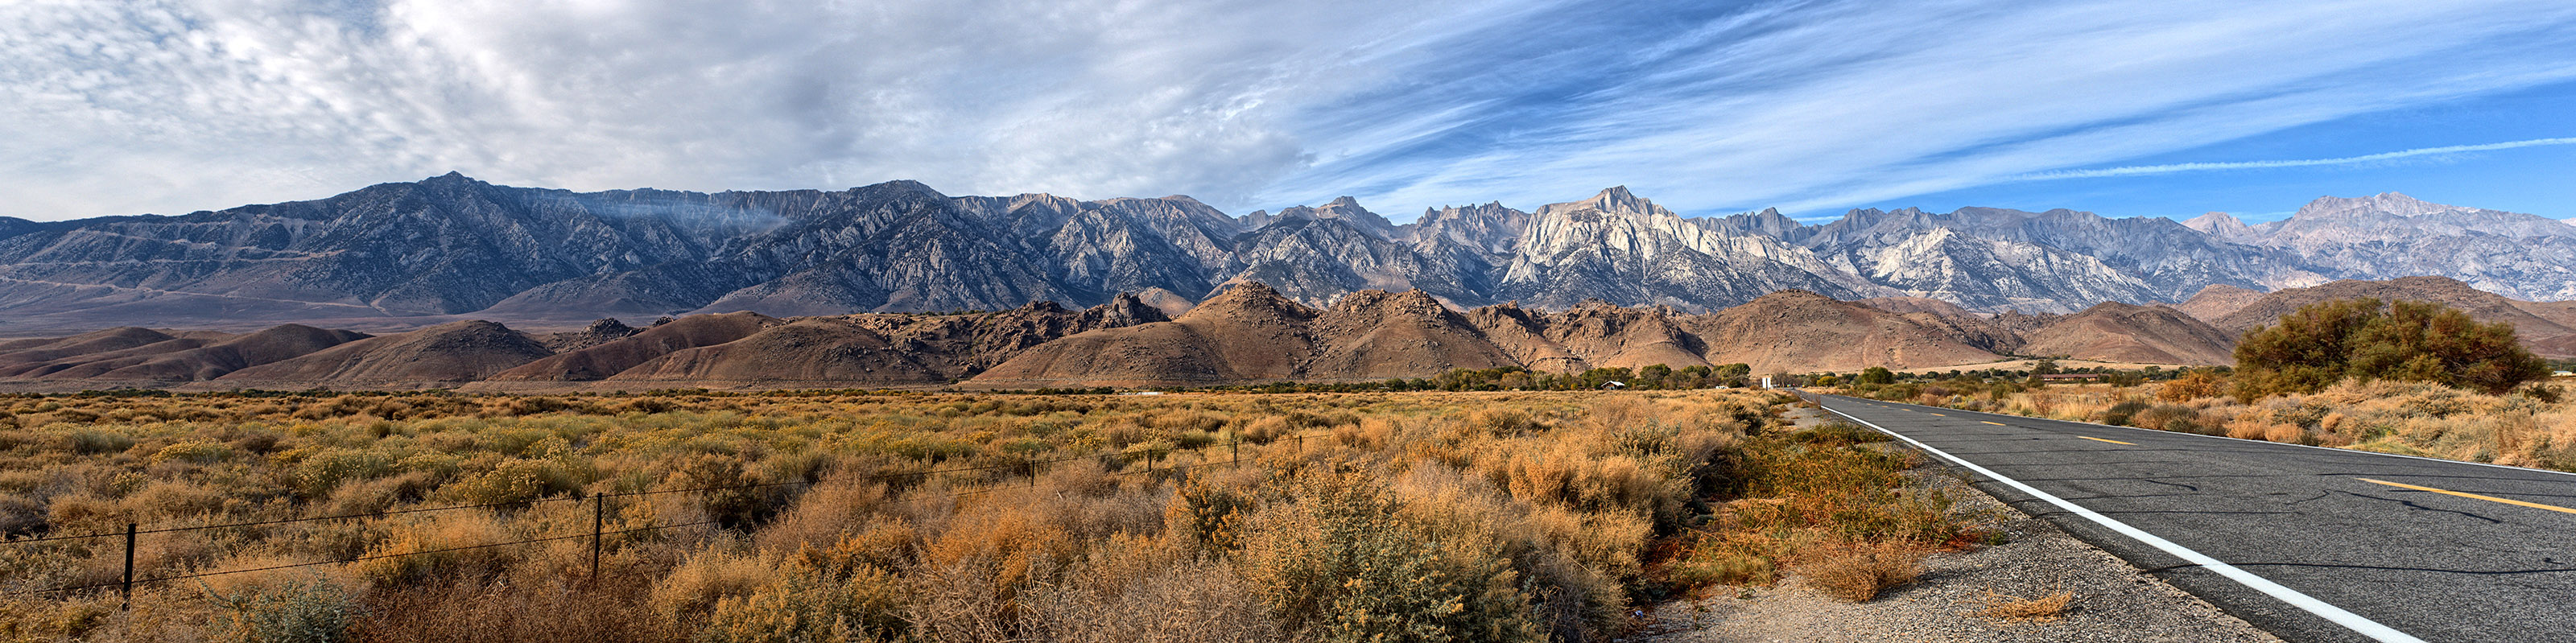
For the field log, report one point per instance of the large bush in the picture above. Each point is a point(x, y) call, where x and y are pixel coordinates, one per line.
point(2365, 339)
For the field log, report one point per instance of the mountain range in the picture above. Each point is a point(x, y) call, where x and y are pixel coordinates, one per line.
point(398, 256)
point(1249, 333)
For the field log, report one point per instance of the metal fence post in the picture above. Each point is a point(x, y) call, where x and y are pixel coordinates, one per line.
point(126, 592)
point(598, 524)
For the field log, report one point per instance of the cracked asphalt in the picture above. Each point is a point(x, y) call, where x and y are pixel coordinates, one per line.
point(2327, 523)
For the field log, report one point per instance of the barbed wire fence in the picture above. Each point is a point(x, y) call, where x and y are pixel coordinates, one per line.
point(599, 532)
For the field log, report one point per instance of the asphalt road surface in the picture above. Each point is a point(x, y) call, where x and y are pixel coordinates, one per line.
point(2310, 543)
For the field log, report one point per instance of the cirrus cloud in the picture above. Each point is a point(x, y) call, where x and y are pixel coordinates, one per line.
point(174, 105)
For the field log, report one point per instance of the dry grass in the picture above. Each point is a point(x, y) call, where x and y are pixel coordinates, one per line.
point(1466, 516)
point(1832, 506)
point(2048, 607)
point(1858, 572)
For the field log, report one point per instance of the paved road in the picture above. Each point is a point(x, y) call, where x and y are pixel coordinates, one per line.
point(2312, 544)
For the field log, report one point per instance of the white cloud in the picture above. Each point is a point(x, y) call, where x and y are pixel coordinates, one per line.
point(169, 106)
point(2172, 168)
point(173, 105)
point(1843, 103)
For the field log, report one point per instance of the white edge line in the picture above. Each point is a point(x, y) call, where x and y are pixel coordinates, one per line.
point(2322, 609)
point(2222, 437)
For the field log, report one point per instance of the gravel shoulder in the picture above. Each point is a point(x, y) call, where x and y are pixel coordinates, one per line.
point(2112, 600)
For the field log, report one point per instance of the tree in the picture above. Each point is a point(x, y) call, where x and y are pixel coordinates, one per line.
point(1652, 376)
point(1732, 371)
point(2366, 339)
point(2044, 366)
point(1699, 376)
point(1877, 375)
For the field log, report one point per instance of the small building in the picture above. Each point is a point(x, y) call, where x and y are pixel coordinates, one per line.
point(1613, 385)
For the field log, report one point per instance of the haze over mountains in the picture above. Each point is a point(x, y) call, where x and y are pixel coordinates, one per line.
point(451, 248)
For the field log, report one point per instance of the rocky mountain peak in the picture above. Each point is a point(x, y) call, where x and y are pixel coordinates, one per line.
point(1613, 200)
point(2382, 203)
point(1345, 209)
point(901, 186)
point(1251, 300)
point(2219, 224)
point(1768, 222)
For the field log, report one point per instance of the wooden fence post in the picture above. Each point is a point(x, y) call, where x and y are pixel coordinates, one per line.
point(126, 593)
point(598, 525)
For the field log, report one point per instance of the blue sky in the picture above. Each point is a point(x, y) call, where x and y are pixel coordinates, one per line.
point(2155, 108)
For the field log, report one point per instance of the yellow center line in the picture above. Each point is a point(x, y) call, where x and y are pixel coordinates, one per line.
point(1939, 414)
point(2095, 439)
point(2508, 501)
point(1994, 423)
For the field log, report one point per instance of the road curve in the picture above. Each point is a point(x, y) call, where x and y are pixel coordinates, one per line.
point(2313, 544)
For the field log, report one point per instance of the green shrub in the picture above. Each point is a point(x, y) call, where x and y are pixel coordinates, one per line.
point(290, 612)
point(1839, 433)
point(194, 453)
point(2366, 339)
point(516, 480)
point(95, 442)
point(324, 471)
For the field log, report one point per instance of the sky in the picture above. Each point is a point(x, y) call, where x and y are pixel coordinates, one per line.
point(2126, 108)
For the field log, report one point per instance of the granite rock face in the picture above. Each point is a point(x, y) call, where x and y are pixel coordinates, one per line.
point(452, 247)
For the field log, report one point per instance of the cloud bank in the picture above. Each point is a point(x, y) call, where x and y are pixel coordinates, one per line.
point(168, 105)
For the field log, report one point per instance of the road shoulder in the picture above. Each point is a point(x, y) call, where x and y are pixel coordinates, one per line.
point(2112, 600)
